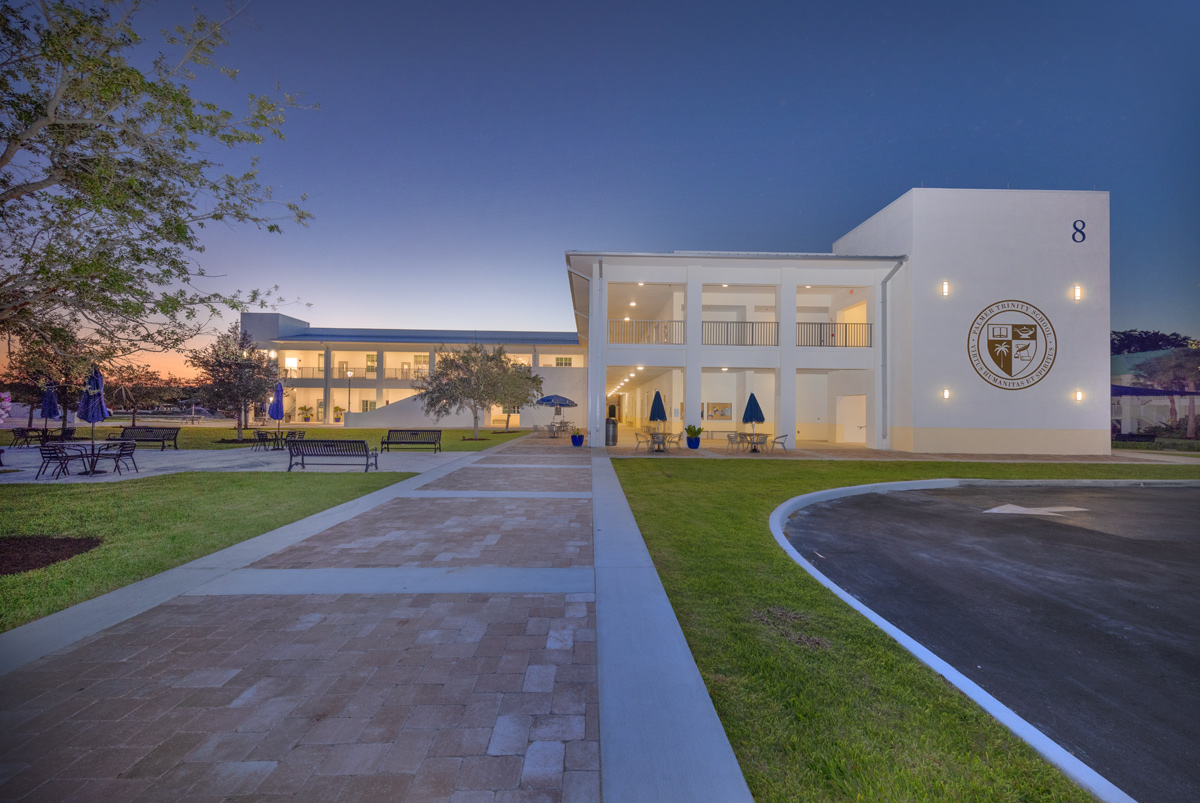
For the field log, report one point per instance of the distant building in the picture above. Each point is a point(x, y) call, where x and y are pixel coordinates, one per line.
point(372, 373)
point(953, 321)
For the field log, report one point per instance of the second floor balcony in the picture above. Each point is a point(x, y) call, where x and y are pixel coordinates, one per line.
point(652, 333)
point(369, 375)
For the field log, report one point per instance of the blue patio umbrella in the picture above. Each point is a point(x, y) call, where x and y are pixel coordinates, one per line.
point(555, 401)
point(658, 412)
point(91, 401)
point(49, 405)
point(275, 411)
point(754, 414)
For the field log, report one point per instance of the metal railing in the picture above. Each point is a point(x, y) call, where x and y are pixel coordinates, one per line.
point(850, 335)
point(359, 373)
point(655, 333)
point(740, 333)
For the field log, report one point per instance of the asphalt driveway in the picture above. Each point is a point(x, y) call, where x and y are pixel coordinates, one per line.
point(1085, 622)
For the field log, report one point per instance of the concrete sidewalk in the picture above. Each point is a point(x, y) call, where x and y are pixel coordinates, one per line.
point(491, 629)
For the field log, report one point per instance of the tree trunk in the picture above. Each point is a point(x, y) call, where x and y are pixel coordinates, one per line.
point(1174, 412)
point(475, 419)
point(507, 418)
point(133, 423)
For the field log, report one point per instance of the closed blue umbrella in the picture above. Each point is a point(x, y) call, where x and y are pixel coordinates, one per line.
point(658, 412)
point(754, 414)
point(275, 411)
point(91, 401)
point(49, 405)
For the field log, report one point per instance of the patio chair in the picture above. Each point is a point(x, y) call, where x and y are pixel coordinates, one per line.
point(673, 441)
point(53, 456)
point(123, 454)
point(22, 436)
point(781, 442)
point(262, 440)
point(734, 443)
point(641, 438)
point(294, 435)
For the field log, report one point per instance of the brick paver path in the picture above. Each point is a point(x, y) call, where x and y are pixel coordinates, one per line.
point(306, 696)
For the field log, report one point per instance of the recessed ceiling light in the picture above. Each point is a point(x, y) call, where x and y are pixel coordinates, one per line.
point(808, 287)
point(641, 368)
point(626, 317)
point(633, 303)
point(633, 374)
point(724, 285)
point(724, 369)
point(641, 284)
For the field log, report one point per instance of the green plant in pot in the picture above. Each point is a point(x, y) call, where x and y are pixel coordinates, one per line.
point(577, 437)
point(306, 412)
point(337, 413)
point(693, 435)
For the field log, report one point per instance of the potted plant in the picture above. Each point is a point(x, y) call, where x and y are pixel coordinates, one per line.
point(577, 437)
point(693, 435)
point(306, 411)
point(337, 414)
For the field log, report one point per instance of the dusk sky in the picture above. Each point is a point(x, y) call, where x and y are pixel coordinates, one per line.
point(461, 148)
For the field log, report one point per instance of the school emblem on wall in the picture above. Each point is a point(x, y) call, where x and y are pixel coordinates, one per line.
point(1012, 345)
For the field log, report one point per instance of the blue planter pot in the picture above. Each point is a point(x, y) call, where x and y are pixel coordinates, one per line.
point(577, 440)
point(694, 443)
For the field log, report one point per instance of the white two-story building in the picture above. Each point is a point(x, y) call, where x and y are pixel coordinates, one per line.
point(953, 321)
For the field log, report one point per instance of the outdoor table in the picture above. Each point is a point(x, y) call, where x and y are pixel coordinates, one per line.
point(90, 453)
point(755, 441)
point(277, 439)
point(659, 441)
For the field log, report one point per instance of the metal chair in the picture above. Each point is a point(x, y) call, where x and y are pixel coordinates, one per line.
point(124, 454)
point(294, 435)
point(641, 438)
point(22, 436)
point(781, 442)
point(734, 443)
point(52, 455)
point(262, 440)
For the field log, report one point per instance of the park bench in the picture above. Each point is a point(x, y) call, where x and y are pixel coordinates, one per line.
point(412, 437)
point(300, 452)
point(149, 435)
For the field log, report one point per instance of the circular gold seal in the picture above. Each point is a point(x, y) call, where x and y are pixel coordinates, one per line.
point(1011, 345)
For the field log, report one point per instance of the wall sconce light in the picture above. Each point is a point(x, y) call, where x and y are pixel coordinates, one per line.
point(1079, 395)
point(945, 288)
point(1078, 292)
point(272, 354)
point(945, 393)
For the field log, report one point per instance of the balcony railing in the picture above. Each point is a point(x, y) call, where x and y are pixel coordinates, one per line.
point(654, 333)
point(359, 373)
point(851, 335)
point(740, 333)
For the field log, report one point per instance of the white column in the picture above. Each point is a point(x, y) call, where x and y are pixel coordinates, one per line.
point(380, 375)
point(785, 378)
point(328, 397)
point(693, 354)
point(1129, 406)
point(597, 355)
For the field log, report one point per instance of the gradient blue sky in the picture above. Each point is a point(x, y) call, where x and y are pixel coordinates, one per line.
point(462, 147)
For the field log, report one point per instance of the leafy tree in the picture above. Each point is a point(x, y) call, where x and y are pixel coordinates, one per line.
point(519, 386)
point(63, 363)
point(1177, 371)
point(104, 181)
point(235, 373)
point(1132, 341)
point(135, 386)
point(472, 378)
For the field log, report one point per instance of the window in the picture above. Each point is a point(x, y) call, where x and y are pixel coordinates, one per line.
point(370, 363)
point(421, 360)
point(320, 362)
point(562, 362)
point(510, 410)
point(320, 408)
point(367, 406)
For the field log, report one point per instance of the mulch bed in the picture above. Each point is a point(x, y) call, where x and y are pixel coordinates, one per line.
point(23, 553)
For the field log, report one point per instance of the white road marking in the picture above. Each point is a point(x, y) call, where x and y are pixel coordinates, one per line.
point(1036, 511)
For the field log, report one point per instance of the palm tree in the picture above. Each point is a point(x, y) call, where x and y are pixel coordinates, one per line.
point(1177, 371)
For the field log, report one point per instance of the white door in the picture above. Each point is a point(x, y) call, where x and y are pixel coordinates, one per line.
point(850, 423)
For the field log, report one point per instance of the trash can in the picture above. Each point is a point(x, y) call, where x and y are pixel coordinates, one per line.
point(610, 432)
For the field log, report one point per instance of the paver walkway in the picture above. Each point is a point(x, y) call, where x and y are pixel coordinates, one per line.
point(343, 696)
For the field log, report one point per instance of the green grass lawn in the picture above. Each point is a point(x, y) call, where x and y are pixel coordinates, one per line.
point(153, 524)
point(453, 440)
point(818, 703)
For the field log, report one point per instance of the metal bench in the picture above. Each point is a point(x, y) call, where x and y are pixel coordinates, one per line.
point(300, 452)
point(412, 437)
point(149, 435)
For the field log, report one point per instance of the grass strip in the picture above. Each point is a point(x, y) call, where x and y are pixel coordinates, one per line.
point(818, 704)
point(453, 440)
point(153, 524)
